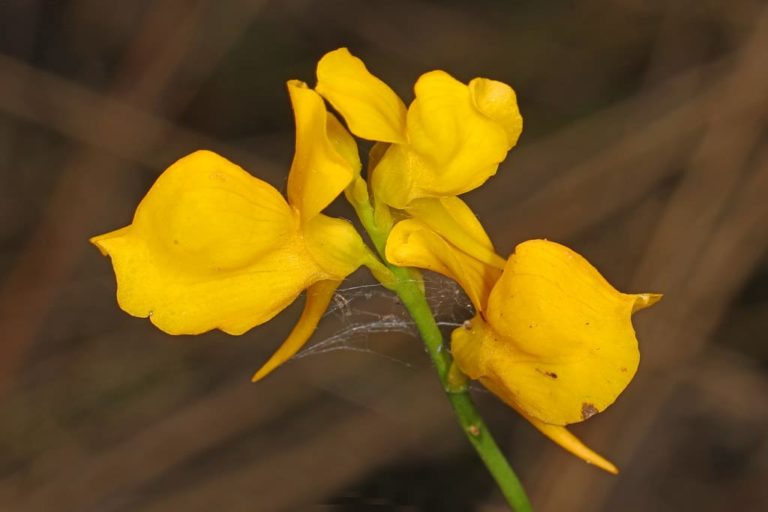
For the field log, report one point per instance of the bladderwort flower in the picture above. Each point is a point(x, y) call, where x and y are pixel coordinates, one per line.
point(448, 141)
point(551, 337)
point(212, 247)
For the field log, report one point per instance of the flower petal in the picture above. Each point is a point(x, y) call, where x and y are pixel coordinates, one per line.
point(451, 218)
point(372, 110)
point(558, 434)
point(210, 247)
point(559, 342)
point(645, 300)
point(475, 357)
point(498, 101)
point(453, 147)
point(326, 158)
point(319, 295)
point(395, 176)
point(413, 244)
point(335, 245)
point(343, 143)
point(573, 444)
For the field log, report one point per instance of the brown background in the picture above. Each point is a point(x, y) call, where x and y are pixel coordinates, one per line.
point(644, 149)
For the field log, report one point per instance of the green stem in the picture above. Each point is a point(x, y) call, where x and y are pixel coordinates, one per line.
point(472, 423)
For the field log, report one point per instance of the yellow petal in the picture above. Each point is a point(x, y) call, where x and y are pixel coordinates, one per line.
point(558, 342)
point(374, 155)
point(453, 147)
point(451, 218)
point(471, 353)
point(498, 101)
point(573, 444)
point(357, 193)
point(319, 295)
point(335, 245)
point(645, 300)
point(372, 110)
point(326, 158)
point(210, 247)
point(413, 244)
point(395, 178)
point(343, 143)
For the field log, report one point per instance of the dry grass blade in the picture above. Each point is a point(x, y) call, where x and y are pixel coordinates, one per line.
point(126, 131)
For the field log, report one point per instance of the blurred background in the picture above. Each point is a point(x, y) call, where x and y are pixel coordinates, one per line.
point(644, 149)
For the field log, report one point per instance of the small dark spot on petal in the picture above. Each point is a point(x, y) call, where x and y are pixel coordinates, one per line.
point(551, 375)
point(623, 369)
point(586, 323)
point(588, 410)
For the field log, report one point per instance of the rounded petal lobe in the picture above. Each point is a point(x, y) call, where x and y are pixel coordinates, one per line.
point(558, 341)
point(204, 213)
point(335, 245)
point(319, 295)
point(210, 247)
point(497, 101)
point(371, 108)
point(413, 244)
point(452, 147)
point(326, 158)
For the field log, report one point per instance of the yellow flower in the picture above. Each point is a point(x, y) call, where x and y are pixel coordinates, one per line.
point(449, 141)
point(211, 246)
point(551, 338)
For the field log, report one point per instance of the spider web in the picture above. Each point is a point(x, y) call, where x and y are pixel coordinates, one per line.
point(364, 311)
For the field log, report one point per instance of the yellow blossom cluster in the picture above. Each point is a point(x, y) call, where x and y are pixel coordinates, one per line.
point(212, 247)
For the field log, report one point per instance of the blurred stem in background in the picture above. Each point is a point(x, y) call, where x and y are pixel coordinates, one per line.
point(411, 293)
